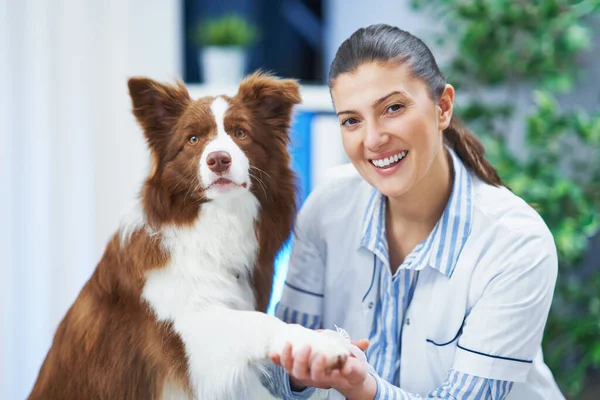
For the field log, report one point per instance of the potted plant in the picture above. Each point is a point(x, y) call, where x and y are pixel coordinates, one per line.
point(223, 46)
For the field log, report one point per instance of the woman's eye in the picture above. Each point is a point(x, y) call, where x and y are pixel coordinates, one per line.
point(240, 134)
point(394, 108)
point(349, 122)
point(193, 139)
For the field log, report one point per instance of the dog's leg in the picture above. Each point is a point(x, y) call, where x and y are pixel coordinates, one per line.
point(223, 345)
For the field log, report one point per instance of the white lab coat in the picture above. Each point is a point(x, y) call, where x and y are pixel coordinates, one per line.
point(486, 320)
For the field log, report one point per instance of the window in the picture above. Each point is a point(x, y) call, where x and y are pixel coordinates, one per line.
point(290, 43)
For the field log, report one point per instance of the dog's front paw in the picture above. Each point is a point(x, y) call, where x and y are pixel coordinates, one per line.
point(333, 348)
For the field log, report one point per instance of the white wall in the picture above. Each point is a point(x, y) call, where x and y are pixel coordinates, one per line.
point(71, 155)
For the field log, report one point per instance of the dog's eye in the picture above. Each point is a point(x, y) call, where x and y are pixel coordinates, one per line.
point(240, 134)
point(193, 139)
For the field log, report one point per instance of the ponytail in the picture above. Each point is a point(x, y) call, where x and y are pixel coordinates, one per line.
point(471, 152)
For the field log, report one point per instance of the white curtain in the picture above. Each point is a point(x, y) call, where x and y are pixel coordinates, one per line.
point(71, 155)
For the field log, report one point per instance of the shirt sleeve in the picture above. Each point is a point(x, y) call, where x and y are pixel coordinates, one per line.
point(291, 316)
point(502, 333)
point(277, 382)
point(456, 386)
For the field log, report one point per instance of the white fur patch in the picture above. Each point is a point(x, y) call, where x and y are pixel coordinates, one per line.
point(173, 391)
point(132, 221)
point(240, 165)
point(206, 259)
point(219, 108)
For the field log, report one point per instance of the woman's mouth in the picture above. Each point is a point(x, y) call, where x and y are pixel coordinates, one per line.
point(388, 162)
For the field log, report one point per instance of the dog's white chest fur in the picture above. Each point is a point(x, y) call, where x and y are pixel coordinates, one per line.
point(209, 262)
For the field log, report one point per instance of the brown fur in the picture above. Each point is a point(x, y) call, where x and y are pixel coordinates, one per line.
point(110, 345)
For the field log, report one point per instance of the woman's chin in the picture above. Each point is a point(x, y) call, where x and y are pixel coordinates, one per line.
point(392, 191)
point(390, 185)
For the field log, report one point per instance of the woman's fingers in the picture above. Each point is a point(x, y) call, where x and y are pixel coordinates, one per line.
point(287, 360)
point(336, 378)
point(306, 369)
point(354, 372)
point(317, 368)
point(300, 369)
point(313, 371)
point(347, 368)
point(275, 358)
point(362, 344)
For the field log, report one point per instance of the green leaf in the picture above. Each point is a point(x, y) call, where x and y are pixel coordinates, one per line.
point(577, 37)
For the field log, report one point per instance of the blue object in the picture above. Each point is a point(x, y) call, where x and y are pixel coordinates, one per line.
point(300, 151)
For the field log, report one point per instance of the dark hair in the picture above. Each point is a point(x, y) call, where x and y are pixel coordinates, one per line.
point(387, 44)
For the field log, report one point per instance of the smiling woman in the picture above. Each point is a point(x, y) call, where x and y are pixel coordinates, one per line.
point(408, 113)
point(448, 273)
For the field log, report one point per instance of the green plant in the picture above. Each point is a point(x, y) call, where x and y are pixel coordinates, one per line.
point(562, 186)
point(535, 44)
point(567, 188)
point(226, 30)
point(515, 40)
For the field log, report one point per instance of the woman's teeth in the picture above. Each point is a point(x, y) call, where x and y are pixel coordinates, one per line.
point(386, 162)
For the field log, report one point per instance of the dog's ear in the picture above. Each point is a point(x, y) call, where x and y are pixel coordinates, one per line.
point(156, 107)
point(271, 97)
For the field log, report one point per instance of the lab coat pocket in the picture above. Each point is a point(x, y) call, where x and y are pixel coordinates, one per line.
point(440, 351)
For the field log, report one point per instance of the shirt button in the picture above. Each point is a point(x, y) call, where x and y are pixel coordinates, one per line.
point(371, 305)
point(407, 321)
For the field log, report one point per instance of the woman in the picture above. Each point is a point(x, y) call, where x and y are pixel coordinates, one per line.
point(419, 247)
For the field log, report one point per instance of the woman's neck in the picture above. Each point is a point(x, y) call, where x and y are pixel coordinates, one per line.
point(426, 201)
point(410, 218)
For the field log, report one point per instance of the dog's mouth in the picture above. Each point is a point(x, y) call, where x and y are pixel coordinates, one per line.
point(224, 182)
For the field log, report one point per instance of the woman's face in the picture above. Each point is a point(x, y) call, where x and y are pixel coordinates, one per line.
point(391, 128)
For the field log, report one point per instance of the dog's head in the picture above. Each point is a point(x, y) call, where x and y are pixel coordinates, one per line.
point(213, 148)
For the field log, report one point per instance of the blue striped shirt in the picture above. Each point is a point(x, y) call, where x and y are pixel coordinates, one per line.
point(440, 250)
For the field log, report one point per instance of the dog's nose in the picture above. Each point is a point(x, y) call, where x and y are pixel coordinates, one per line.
point(218, 161)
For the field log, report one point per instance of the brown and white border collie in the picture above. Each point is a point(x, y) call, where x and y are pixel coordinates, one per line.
point(175, 307)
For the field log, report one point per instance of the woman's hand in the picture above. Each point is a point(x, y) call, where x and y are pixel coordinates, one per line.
point(350, 380)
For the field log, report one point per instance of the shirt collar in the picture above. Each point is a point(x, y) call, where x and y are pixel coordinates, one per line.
point(374, 235)
point(441, 249)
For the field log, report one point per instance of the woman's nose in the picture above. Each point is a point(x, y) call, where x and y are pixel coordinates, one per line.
point(375, 136)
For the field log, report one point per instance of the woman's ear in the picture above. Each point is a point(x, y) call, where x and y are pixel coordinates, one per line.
point(445, 107)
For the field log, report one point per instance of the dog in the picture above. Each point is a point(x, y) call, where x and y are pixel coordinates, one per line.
point(175, 307)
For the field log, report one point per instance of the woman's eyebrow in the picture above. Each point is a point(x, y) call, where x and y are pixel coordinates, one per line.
point(346, 112)
point(376, 102)
point(387, 96)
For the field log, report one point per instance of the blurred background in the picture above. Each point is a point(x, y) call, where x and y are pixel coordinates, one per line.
point(72, 157)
